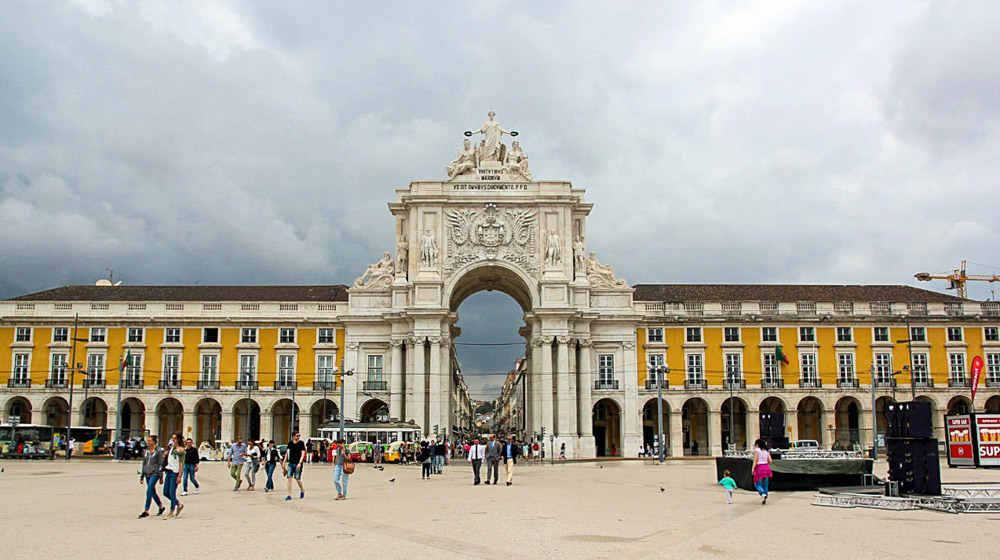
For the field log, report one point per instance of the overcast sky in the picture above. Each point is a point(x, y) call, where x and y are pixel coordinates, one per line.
point(259, 142)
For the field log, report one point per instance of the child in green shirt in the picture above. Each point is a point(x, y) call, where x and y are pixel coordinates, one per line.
point(729, 484)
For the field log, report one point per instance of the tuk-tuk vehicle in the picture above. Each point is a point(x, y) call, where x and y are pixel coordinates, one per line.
point(360, 451)
point(218, 453)
point(394, 451)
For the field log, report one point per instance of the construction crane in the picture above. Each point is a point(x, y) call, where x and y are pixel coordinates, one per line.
point(957, 278)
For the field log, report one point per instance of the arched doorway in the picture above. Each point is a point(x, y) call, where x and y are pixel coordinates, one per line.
point(208, 421)
point(774, 410)
point(95, 412)
point(284, 419)
point(607, 428)
point(56, 412)
point(937, 419)
point(810, 413)
point(170, 413)
point(959, 405)
point(847, 423)
point(20, 407)
point(243, 411)
point(992, 405)
point(649, 425)
point(375, 410)
point(324, 414)
point(694, 414)
point(882, 422)
point(133, 418)
point(734, 431)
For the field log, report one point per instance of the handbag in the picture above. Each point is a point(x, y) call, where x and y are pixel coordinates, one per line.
point(348, 466)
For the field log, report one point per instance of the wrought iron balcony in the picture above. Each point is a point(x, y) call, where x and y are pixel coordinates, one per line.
point(695, 384)
point(131, 383)
point(170, 384)
point(734, 383)
point(885, 383)
point(992, 382)
point(606, 385)
point(208, 384)
point(848, 384)
point(22, 383)
point(772, 383)
point(928, 382)
point(56, 383)
point(651, 384)
point(325, 385)
point(959, 382)
point(246, 385)
point(286, 385)
point(810, 383)
point(374, 385)
point(94, 383)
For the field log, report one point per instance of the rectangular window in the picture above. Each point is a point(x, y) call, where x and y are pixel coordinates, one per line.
point(134, 334)
point(325, 336)
point(171, 367)
point(286, 336)
point(23, 334)
point(324, 368)
point(731, 334)
point(694, 367)
point(95, 368)
point(881, 334)
point(60, 367)
point(210, 335)
point(374, 368)
point(807, 334)
point(734, 369)
point(286, 368)
point(991, 334)
point(993, 368)
point(606, 367)
point(655, 335)
point(808, 366)
point(22, 370)
point(172, 335)
point(844, 334)
point(956, 366)
point(920, 368)
point(954, 334)
point(248, 367)
point(845, 367)
point(655, 362)
point(248, 336)
point(883, 368)
point(133, 370)
point(770, 374)
point(60, 334)
point(918, 334)
point(694, 334)
point(209, 367)
point(769, 334)
point(98, 334)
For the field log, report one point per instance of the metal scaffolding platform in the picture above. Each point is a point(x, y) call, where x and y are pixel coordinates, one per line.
point(967, 499)
point(972, 491)
point(864, 500)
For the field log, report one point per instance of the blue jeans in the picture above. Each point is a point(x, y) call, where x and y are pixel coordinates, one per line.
point(761, 486)
point(438, 461)
point(340, 476)
point(151, 495)
point(189, 470)
point(269, 469)
point(170, 480)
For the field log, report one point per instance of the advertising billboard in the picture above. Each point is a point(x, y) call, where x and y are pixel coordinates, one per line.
point(988, 439)
point(961, 446)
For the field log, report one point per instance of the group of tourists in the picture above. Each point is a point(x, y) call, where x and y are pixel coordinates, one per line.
point(166, 467)
point(493, 452)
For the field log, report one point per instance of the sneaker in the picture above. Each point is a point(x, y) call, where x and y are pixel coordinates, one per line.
point(184, 493)
point(195, 491)
point(144, 514)
point(288, 498)
point(170, 515)
point(162, 509)
point(179, 508)
point(302, 495)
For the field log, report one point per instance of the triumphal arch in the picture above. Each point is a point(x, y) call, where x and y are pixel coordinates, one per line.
point(490, 225)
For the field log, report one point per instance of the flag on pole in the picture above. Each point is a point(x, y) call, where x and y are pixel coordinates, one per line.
point(127, 361)
point(780, 356)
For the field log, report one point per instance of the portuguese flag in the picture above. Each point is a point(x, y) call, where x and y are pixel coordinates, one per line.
point(780, 356)
point(126, 362)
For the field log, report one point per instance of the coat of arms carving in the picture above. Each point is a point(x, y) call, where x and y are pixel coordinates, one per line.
point(490, 234)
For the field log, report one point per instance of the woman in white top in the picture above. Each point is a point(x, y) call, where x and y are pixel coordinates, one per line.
point(761, 468)
point(252, 456)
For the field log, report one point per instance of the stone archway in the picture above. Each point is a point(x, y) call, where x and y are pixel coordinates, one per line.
point(95, 412)
point(246, 420)
point(607, 427)
point(810, 413)
point(170, 413)
point(694, 414)
point(18, 406)
point(734, 431)
point(992, 405)
point(959, 405)
point(375, 410)
point(324, 413)
point(773, 415)
point(133, 418)
point(284, 419)
point(208, 421)
point(649, 426)
point(847, 424)
point(56, 411)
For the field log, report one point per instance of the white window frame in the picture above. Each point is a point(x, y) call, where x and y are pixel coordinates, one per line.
point(133, 372)
point(733, 360)
point(726, 331)
point(993, 367)
point(248, 367)
point(138, 331)
point(765, 331)
point(325, 373)
point(171, 371)
point(286, 368)
point(209, 371)
point(22, 334)
point(991, 334)
point(845, 367)
point(98, 334)
point(769, 364)
point(918, 334)
point(884, 330)
point(96, 366)
point(204, 335)
point(652, 370)
point(321, 336)
point(375, 364)
point(694, 370)
point(654, 335)
point(920, 371)
point(64, 331)
point(956, 367)
point(172, 330)
point(22, 367)
point(810, 330)
point(959, 333)
point(807, 366)
point(606, 367)
point(883, 367)
point(693, 331)
point(281, 335)
point(248, 335)
point(849, 331)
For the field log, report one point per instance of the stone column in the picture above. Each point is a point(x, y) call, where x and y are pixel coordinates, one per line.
point(535, 386)
point(585, 384)
point(565, 407)
point(153, 424)
point(225, 429)
point(416, 391)
point(267, 427)
point(349, 408)
point(446, 387)
point(396, 379)
point(434, 392)
point(547, 419)
point(792, 421)
point(676, 443)
point(827, 437)
point(715, 433)
point(305, 425)
point(753, 426)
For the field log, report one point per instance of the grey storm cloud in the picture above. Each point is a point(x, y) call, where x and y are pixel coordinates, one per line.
point(250, 142)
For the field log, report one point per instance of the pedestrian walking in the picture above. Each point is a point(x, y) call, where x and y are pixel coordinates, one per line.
point(252, 464)
point(172, 474)
point(510, 452)
point(377, 453)
point(271, 459)
point(309, 451)
point(729, 484)
point(152, 474)
point(69, 448)
point(493, 455)
point(191, 460)
point(536, 451)
point(424, 457)
point(341, 459)
point(477, 453)
point(439, 451)
point(236, 460)
point(562, 451)
point(761, 468)
point(295, 456)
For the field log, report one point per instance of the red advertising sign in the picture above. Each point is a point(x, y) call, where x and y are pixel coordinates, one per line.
point(988, 436)
point(977, 369)
point(960, 440)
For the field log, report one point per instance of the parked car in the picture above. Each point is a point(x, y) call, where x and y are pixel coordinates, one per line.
point(805, 445)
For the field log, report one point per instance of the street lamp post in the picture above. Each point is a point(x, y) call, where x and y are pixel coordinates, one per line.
point(72, 377)
point(345, 372)
point(874, 417)
point(909, 350)
point(732, 429)
point(660, 371)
